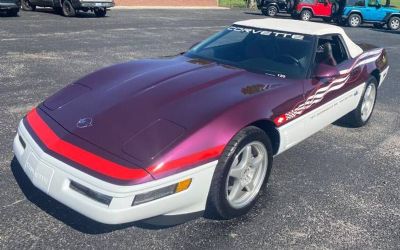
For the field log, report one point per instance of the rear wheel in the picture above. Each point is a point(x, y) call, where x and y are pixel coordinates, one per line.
point(361, 115)
point(26, 5)
point(272, 11)
point(242, 171)
point(305, 15)
point(354, 20)
point(100, 12)
point(394, 23)
point(67, 9)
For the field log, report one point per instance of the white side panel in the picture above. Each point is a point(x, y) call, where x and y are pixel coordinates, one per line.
point(312, 122)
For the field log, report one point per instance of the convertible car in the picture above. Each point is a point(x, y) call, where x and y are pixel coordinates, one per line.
point(166, 140)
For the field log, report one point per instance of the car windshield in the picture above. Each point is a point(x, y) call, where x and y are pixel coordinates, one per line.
point(264, 51)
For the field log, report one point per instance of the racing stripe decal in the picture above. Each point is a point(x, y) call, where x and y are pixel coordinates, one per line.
point(336, 84)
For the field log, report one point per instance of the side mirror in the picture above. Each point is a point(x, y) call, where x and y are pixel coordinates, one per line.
point(325, 72)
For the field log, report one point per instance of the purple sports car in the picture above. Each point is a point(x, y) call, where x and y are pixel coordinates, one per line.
point(165, 140)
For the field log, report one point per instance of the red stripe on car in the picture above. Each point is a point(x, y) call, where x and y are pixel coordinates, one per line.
point(202, 156)
point(79, 155)
point(106, 167)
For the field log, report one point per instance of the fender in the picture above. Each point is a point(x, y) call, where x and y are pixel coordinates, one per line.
point(307, 8)
point(355, 12)
point(271, 4)
point(389, 15)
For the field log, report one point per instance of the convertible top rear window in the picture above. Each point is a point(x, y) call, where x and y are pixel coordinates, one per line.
point(264, 51)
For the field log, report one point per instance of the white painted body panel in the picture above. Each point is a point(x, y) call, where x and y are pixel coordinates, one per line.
point(315, 120)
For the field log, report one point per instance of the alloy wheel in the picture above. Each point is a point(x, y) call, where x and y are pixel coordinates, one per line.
point(246, 175)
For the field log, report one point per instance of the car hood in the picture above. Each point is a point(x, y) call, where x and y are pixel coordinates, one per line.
point(136, 110)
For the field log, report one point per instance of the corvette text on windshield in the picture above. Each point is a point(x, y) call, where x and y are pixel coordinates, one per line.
point(267, 32)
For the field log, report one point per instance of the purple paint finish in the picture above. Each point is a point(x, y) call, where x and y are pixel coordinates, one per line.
point(209, 101)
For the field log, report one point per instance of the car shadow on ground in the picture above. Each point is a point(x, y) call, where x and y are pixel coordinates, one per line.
point(5, 14)
point(79, 14)
point(62, 212)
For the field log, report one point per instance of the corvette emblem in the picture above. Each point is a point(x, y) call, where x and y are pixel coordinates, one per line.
point(84, 122)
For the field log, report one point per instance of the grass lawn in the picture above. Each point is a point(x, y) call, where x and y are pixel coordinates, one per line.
point(395, 3)
point(236, 3)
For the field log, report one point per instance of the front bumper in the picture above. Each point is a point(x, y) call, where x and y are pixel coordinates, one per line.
point(84, 4)
point(54, 177)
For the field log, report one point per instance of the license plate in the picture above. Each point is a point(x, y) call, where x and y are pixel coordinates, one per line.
point(39, 173)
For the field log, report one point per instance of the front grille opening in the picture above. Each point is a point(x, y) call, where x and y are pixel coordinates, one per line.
point(22, 141)
point(102, 198)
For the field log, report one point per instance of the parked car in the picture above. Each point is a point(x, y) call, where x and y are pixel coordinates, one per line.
point(273, 7)
point(165, 140)
point(356, 12)
point(307, 9)
point(69, 8)
point(10, 7)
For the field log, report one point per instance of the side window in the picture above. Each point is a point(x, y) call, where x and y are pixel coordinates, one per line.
point(372, 3)
point(360, 3)
point(330, 51)
point(321, 1)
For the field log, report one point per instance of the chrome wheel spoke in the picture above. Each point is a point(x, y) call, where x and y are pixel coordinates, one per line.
point(246, 174)
point(236, 191)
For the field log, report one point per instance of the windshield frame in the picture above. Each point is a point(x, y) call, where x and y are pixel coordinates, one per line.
point(213, 37)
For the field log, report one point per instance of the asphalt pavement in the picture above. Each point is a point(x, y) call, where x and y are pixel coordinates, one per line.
point(338, 189)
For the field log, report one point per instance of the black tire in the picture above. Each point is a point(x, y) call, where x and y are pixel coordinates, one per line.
point(27, 6)
point(272, 11)
point(378, 25)
point(305, 15)
point(218, 206)
point(67, 9)
point(394, 23)
point(13, 12)
point(354, 118)
point(354, 20)
point(100, 12)
point(335, 8)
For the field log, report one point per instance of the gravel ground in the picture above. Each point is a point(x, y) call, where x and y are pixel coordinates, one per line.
point(338, 189)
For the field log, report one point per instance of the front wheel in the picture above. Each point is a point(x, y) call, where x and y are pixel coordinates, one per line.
point(67, 9)
point(394, 23)
point(27, 6)
point(100, 12)
point(272, 11)
point(354, 20)
point(305, 15)
point(242, 171)
point(361, 115)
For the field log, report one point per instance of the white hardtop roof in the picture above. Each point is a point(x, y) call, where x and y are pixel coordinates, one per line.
point(294, 26)
point(302, 27)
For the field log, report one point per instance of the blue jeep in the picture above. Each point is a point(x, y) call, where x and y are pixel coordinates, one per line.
point(356, 12)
